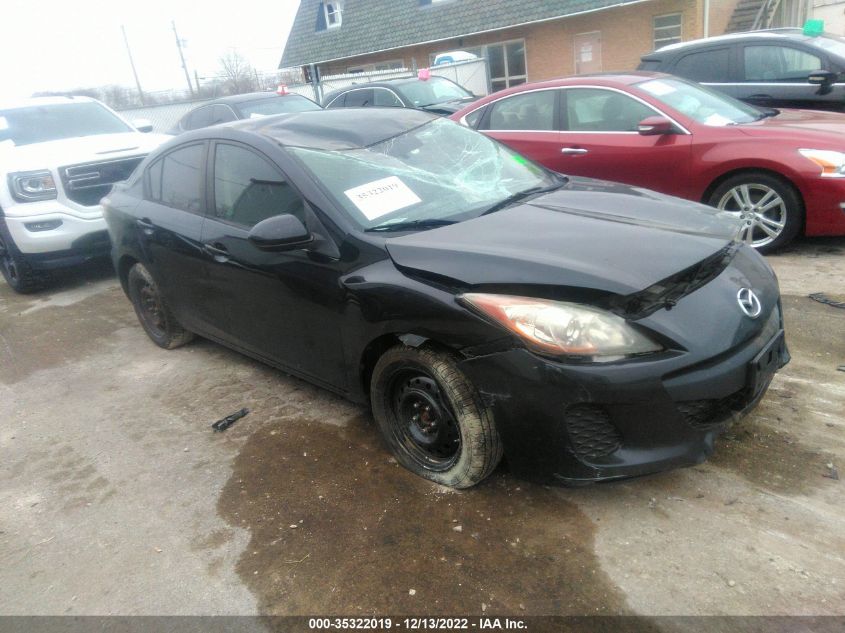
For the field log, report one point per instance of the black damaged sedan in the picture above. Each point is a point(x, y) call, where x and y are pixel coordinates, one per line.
point(481, 304)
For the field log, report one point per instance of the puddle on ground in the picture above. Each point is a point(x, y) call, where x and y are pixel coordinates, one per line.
point(772, 459)
point(338, 527)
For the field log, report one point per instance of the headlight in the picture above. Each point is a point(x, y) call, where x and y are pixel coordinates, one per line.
point(555, 327)
point(27, 186)
point(832, 163)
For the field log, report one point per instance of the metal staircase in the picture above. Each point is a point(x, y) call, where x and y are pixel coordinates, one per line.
point(751, 15)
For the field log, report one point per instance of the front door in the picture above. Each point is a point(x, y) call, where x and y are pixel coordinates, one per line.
point(587, 52)
point(281, 306)
point(599, 139)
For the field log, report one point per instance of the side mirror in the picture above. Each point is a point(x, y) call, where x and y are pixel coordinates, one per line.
point(280, 233)
point(655, 126)
point(143, 125)
point(822, 78)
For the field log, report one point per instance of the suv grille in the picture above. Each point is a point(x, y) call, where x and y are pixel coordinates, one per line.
point(591, 431)
point(86, 184)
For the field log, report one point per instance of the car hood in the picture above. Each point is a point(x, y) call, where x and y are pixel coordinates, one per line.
point(83, 149)
point(590, 234)
point(806, 125)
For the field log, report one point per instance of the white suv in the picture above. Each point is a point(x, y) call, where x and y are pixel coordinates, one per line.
point(58, 157)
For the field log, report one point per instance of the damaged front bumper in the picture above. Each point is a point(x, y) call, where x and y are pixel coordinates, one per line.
point(572, 424)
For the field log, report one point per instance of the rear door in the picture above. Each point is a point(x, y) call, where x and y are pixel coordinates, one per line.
point(528, 123)
point(599, 139)
point(282, 306)
point(169, 228)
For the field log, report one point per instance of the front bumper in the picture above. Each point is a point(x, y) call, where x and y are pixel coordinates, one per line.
point(824, 199)
point(572, 424)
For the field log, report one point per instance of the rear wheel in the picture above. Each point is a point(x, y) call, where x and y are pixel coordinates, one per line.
point(432, 417)
point(771, 209)
point(17, 272)
point(153, 313)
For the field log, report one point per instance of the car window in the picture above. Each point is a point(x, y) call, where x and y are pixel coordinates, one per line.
point(778, 63)
point(248, 189)
point(526, 111)
point(596, 110)
point(359, 98)
point(474, 117)
point(221, 114)
point(707, 66)
point(337, 102)
point(175, 179)
point(201, 117)
point(386, 98)
point(697, 102)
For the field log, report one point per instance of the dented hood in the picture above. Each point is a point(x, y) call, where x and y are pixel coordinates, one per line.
point(589, 234)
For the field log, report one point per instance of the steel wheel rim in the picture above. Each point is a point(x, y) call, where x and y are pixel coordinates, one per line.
point(760, 208)
point(423, 421)
point(151, 308)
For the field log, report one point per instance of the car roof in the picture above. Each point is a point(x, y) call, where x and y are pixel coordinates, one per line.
point(38, 101)
point(340, 129)
point(792, 34)
point(597, 79)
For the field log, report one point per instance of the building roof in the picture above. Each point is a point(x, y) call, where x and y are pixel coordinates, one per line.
point(370, 26)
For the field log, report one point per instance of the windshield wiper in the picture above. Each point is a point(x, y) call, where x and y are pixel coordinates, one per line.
point(522, 195)
point(410, 225)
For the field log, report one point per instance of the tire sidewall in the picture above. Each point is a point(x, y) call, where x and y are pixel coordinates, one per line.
point(138, 277)
point(460, 396)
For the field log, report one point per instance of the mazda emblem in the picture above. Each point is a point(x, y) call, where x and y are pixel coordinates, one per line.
point(748, 302)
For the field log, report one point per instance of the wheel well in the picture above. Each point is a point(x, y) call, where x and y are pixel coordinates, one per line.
point(377, 347)
point(123, 266)
point(747, 170)
point(370, 357)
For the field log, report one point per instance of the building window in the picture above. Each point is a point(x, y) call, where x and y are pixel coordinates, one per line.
point(507, 64)
point(334, 16)
point(667, 29)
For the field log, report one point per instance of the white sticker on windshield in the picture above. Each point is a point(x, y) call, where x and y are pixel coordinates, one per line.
point(381, 197)
point(717, 119)
point(4, 124)
point(658, 88)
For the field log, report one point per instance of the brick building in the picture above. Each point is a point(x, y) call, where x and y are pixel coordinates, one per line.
point(523, 40)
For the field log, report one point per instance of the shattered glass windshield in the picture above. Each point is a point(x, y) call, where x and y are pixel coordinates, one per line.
point(439, 172)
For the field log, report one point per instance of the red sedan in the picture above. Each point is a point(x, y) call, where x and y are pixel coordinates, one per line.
point(783, 172)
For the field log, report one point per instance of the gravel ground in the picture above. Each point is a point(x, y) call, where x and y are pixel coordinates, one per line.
point(116, 497)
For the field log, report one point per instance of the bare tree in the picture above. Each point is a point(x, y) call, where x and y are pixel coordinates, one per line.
point(238, 73)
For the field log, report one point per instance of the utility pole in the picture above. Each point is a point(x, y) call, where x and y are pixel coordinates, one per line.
point(132, 63)
point(182, 57)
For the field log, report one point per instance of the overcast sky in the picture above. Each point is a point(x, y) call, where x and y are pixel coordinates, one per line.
point(60, 45)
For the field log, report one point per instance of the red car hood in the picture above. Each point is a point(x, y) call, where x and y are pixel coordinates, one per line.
point(804, 125)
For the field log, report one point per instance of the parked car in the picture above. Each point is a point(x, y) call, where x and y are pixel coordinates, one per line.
point(780, 68)
point(780, 172)
point(58, 157)
point(478, 302)
point(436, 94)
point(245, 106)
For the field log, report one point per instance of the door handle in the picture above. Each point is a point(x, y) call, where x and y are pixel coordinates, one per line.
point(217, 251)
point(146, 226)
point(574, 151)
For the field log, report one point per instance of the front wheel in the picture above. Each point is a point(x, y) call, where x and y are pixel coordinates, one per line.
point(20, 276)
point(771, 210)
point(433, 418)
point(153, 312)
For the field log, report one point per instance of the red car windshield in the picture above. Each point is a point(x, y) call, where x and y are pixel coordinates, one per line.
point(698, 103)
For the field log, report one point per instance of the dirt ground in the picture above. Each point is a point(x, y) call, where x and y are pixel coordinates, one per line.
point(117, 498)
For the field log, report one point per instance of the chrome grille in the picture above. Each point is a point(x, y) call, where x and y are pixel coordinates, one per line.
point(87, 183)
